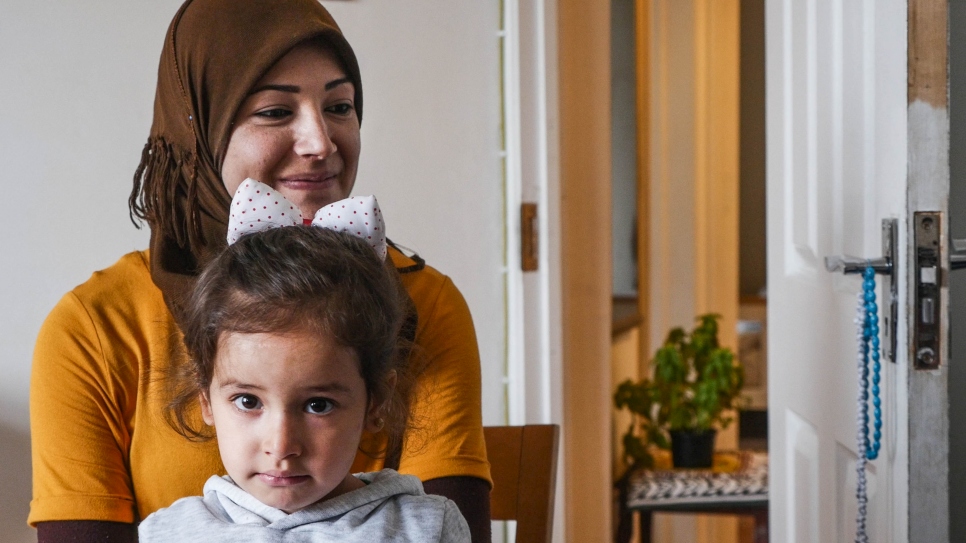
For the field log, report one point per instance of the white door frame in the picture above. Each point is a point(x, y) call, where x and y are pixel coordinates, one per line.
point(534, 350)
point(928, 172)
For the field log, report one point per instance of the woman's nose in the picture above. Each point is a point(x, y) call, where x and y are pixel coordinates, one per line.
point(283, 438)
point(312, 137)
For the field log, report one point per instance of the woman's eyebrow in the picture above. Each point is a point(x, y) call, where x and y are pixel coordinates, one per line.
point(282, 88)
point(336, 82)
point(295, 89)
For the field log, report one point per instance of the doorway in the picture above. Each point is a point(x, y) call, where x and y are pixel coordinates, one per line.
point(680, 163)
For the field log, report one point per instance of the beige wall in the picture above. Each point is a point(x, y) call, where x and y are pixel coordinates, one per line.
point(584, 96)
point(693, 209)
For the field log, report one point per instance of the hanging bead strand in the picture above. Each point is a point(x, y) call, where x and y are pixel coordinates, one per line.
point(862, 421)
point(871, 350)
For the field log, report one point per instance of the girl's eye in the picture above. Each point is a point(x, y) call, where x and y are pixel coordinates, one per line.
point(246, 402)
point(318, 406)
point(273, 113)
point(340, 109)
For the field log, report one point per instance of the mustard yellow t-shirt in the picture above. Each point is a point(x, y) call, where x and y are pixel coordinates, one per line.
point(102, 450)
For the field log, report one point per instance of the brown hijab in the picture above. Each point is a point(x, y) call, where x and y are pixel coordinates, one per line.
point(214, 53)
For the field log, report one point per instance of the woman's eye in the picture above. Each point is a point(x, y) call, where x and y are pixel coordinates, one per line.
point(273, 113)
point(340, 109)
point(246, 402)
point(318, 406)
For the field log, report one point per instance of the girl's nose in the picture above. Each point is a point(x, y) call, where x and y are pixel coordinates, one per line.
point(312, 137)
point(283, 438)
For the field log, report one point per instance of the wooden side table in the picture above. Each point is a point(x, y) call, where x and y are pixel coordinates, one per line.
point(743, 491)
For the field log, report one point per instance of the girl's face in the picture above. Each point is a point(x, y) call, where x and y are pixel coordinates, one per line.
point(289, 411)
point(298, 131)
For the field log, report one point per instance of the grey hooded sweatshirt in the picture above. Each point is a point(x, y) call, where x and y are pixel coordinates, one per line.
point(391, 507)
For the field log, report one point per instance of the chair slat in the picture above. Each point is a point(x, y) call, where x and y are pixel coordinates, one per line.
point(523, 464)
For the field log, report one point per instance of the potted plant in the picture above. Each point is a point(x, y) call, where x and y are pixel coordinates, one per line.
point(694, 381)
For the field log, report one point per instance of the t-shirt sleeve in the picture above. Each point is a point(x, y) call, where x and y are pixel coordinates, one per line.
point(79, 436)
point(446, 438)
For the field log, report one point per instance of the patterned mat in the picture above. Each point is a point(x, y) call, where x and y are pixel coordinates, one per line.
point(747, 483)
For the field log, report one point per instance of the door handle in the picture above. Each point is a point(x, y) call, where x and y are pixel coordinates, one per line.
point(853, 264)
point(882, 266)
point(958, 261)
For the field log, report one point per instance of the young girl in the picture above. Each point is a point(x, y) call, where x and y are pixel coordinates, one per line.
point(293, 334)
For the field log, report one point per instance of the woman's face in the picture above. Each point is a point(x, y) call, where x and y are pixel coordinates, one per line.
point(298, 131)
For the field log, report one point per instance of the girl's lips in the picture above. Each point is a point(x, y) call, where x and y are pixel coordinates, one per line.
point(282, 480)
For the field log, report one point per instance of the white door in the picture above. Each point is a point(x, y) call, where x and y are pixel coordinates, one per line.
point(847, 147)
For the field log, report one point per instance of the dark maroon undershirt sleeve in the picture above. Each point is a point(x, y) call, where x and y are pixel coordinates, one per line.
point(472, 496)
point(86, 531)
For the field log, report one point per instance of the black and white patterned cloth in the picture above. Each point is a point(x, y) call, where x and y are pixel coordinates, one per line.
point(749, 484)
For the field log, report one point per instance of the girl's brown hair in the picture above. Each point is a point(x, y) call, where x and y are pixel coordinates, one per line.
point(294, 279)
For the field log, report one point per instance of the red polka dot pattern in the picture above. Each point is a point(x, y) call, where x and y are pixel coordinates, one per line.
point(268, 211)
point(374, 234)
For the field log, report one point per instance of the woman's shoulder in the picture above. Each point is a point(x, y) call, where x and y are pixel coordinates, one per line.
point(120, 303)
point(125, 287)
point(130, 271)
point(427, 286)
point(409, 264)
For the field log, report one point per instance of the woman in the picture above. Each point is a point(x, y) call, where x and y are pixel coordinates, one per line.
point(271, 91)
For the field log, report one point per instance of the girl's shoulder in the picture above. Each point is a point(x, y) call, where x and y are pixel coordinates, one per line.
point(425, 517)
point(188, 519)
point(390, 505)
point(204, 518)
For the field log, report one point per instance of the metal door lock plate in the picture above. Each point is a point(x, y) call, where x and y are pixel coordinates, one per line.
point(928, 284)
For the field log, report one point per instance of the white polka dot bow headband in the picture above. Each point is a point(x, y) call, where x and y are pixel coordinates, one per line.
point(257, 206)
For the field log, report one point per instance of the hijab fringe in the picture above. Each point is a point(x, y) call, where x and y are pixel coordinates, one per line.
point(166, 189)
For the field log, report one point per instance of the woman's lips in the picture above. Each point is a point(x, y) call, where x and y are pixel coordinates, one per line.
point(282, 479)
point(308, 182)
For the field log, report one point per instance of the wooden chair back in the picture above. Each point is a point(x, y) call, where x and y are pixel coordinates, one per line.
point(523, 464)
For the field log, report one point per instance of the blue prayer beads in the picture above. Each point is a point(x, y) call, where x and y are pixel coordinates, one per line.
point(870, 349)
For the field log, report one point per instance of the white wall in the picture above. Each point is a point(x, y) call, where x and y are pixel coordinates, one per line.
point(430, 147)
point(78, 87)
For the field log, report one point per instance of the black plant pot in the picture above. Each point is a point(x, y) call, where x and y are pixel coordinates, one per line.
point(692, 449)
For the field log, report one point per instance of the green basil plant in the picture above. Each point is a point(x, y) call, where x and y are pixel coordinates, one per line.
point(694, 382)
